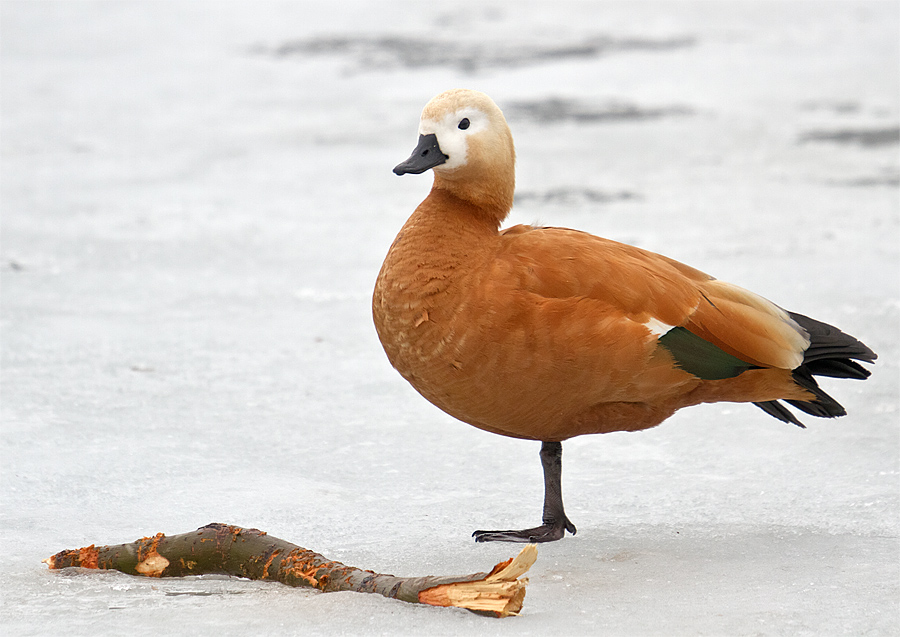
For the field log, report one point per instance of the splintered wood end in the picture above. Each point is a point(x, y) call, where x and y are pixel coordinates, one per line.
point(515, 567)
point(500, 593)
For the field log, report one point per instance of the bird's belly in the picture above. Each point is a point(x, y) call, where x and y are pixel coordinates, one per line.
point(515, 374)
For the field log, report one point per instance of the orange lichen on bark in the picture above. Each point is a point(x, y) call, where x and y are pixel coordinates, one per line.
point(297, 564)
point(86, 557)
point(265, 571)
point(188, 565)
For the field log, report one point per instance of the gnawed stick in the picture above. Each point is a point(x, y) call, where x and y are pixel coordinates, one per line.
point(251, 553)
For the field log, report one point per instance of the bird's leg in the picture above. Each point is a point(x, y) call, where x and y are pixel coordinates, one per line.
point(555, 521)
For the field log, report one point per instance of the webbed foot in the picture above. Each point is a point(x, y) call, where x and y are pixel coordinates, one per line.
point(547, 532)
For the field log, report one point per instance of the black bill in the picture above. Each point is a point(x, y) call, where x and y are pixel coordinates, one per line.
point(426, 155)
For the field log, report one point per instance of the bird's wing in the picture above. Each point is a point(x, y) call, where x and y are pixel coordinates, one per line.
point(653, 290)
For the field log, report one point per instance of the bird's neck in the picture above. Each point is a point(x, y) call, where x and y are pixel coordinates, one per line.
point(452, 223)
point(485, 197)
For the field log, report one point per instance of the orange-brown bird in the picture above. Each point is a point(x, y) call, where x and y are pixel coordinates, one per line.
point(548, 333)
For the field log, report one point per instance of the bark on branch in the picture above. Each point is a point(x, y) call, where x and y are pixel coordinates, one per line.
point(251, 553)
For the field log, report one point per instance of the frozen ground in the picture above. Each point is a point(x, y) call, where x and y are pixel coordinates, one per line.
point(196, 198)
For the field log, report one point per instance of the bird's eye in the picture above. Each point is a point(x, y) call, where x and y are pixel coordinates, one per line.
point(463, 123)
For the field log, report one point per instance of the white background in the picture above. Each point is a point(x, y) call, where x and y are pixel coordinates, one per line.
point(196, 198)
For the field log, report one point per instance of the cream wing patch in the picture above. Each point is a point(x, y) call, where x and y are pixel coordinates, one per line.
point(657, 327)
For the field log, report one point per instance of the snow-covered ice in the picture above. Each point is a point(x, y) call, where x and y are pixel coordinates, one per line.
point(196, 198)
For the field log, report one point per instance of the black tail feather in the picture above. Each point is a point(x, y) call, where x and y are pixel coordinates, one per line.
point(829, 343)
point(830, 353)
point(824, 406)
point(779, 411)
point(840, 368)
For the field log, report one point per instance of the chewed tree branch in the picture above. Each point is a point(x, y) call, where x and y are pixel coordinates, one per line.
point(251, 553)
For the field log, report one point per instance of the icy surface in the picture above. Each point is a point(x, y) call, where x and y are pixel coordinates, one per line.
point(196, 199)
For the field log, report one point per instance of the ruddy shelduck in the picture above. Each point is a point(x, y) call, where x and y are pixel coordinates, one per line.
point(547, 333)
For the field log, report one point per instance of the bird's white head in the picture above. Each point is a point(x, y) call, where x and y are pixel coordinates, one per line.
point(465, 139)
